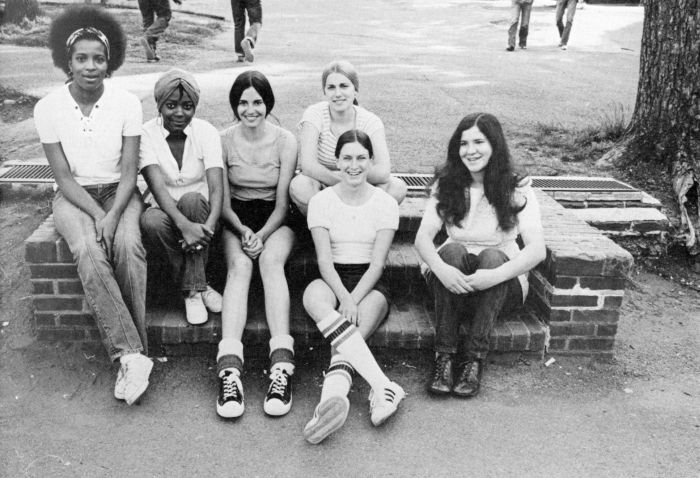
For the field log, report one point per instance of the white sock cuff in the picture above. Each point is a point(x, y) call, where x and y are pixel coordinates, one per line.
point(282, 341)
point(328, 321)
point(230, 346)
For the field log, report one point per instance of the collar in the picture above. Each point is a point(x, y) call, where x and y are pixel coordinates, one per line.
point(165, 133)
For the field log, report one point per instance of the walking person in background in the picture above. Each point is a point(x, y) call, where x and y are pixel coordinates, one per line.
point(260, 159)
point(352, 224)
point(90, 131)
point(479, 272)
point(180, 160)
point(320, 127)
point(245, 41)
point(155, 16)
point(520, 13)
point(565, 30)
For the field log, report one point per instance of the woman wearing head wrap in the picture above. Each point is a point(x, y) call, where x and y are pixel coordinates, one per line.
point(181, 162)
point(90, 132)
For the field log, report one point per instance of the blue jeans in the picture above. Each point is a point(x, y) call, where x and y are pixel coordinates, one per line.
point(478, 310)
point(155, 15)
point(115, 290)
point(163, 237)
point(238, 10)
point(520, 12)
point(570, 7)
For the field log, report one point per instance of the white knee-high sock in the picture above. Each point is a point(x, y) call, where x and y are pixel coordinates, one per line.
point(348, 341)
point(338, 379)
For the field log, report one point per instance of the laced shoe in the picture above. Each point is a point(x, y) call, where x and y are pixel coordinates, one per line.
point(469, 380)
point(120, 385)
point(135, 377)
point(195, 311)
point(230, 402)
point(441, 382)
point(278, 400)
point(384, 404)
point(329, 417)
point(248, 44)
point(212, 300)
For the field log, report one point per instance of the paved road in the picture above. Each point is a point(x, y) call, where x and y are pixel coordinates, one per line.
point(423, 64)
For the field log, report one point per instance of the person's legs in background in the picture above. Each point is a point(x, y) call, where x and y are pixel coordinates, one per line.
point(514, 19)
point(526, 9)
point(248, 43)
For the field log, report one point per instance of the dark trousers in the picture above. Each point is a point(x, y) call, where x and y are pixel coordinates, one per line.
point(478, 311)
point(161, 236)
point(155, 15)
point(238, 10)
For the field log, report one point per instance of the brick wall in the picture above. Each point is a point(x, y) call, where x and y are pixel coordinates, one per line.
point(578, 289)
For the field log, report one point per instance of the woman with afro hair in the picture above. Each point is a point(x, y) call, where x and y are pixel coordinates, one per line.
point(90, 131)
point(479, 272)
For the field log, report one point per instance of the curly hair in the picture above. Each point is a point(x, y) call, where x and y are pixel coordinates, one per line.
point(453, 178)
point(84, 16)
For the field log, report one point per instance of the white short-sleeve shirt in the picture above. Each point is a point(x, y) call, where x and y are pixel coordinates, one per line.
point(352, 229)
point(320, 117)
point(479, 230)
point(93, 144)
point(202, 151)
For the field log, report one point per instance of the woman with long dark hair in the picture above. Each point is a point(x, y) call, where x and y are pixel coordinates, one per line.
point(479, 272)
point(90, 131)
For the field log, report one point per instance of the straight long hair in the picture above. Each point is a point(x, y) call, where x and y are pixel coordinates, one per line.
point(453, 178)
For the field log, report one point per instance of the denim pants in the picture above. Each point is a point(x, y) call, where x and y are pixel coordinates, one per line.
point(520, 12)
point(162, 236)
point(478, 311)
point(570, 7)
point(238, 10)
point(155, 15)
point(116, 289)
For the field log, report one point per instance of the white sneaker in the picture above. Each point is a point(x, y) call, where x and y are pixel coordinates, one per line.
point(329, 417)
point(120, 385)
point(248, 44)
point(230, 403)
point(212, 300)
point(563, 47)
point(278, 400)
point(195, 310)
point(137, 369)
point(384, 404)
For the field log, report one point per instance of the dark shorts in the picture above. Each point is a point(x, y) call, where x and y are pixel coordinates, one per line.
point(256, 212)
point(350, 275)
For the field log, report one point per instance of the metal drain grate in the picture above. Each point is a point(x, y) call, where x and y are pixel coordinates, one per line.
point(26, 173)
point(569, 183)
point(415, 182)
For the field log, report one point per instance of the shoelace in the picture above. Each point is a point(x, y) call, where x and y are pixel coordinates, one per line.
point(230, 387)
point(467, 371)
point(279, 383)
point(441, 368)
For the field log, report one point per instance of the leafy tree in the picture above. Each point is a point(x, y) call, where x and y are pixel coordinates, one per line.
point(17, 10)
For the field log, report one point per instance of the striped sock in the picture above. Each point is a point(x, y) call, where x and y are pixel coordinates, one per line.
point(345, 338)
point(338, 379)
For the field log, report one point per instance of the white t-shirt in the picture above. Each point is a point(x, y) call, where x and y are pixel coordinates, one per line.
point(352, 229)
point(92, 144)
point(202, 151)
point(479, 230)
point(320, 117)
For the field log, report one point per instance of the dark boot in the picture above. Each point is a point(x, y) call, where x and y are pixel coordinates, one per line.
point(441, 381)
point(469, 379)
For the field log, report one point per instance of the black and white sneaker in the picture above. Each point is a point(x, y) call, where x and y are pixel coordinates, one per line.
point(230, 403)
point(278, 400)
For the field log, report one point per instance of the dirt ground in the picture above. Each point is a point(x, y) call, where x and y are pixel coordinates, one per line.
point(637, 415)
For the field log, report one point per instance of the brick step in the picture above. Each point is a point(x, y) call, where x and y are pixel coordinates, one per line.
point(410, 325)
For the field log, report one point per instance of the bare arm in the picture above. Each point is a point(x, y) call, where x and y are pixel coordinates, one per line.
point(308, 157)
point(288, 163)
point(67, 184)
point(215, 183)
point(381, 169)
point(380, 251)
point(324, 259)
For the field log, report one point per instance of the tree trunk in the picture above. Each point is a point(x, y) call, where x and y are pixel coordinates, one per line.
point(665, 125)
point(17, 10)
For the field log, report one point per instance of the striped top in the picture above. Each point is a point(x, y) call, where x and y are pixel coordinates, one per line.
point(320, 117)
